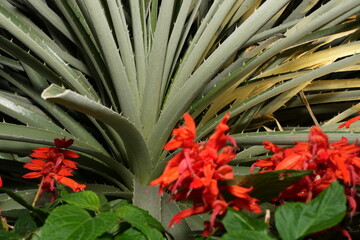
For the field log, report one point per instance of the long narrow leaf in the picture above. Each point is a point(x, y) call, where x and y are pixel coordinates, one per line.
point(136, 149)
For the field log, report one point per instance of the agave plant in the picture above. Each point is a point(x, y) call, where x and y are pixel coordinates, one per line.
point(117, 76)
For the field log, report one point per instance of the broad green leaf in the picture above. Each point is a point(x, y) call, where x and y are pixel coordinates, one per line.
point(268, 185)
point(141, 220)
point(297, 220)
point(84, 199)
point(73, 223)
point(246, 235)
point(132, 214)
point(24, 225)
point(131, 234)
point(9, 235)
point(236, 220)
point(116, 204)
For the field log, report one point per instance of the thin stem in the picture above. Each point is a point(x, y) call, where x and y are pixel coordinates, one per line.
point(39, 192)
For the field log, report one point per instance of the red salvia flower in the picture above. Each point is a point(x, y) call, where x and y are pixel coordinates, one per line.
point(197, 172)
point(51, 166)
point(329, 162)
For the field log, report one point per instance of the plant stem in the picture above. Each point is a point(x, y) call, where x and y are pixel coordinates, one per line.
point(38, 193)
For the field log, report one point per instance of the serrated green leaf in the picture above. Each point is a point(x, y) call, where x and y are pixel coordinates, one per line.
point(268, 185)
point(236, 220)
point(136, 149)
point(152, 203)
point(141, 220)
point(297, 220)
point(73, 223)
point(131, 234)
point(84, 199)
point(246, 235)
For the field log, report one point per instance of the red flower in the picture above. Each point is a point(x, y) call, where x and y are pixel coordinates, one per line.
point(183, 136)
point(329, 162)
point(52, 167)
point(197, 173)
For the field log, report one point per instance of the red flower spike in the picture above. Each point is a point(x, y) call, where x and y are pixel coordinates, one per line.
point(196, 173)
point(328, 161)
point(52, 166)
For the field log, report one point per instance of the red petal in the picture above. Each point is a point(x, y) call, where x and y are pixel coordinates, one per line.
point(173, 144)
point(225, 172)
point(318, 137)
point(344, 171)
point(62, 143)
point(187, 213)
point(272, 147)
point(71, 154)
point(293, 161)
point(63, 171)
point(349, 122)
point(189, 122)
point(238, 191)
point(76, 187)
point(196, 183)
point(69, 163)
point(35, 165)
point(32, 175)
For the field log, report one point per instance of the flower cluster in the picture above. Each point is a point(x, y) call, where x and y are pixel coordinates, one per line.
point(51, 164)
point(328, 161)
point(198, 173)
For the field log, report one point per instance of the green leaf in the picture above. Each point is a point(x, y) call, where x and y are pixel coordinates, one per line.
point(246, 235)
point(235, 220)
point(268, 185)
point(141, 220)
point(297, 220)
point(73, 223)
point(84, 199)
point(131, 234)
point(5, 235)
point(24, 225)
